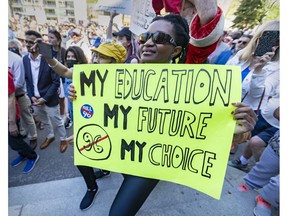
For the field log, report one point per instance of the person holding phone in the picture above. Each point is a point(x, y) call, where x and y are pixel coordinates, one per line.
point(109, 52)
point(42, 88)
point(260, 89)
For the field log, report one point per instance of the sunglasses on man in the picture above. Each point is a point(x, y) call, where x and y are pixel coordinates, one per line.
point(30, 42)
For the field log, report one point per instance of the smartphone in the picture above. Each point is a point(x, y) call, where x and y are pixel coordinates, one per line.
point(266, 42)
point(45, 49)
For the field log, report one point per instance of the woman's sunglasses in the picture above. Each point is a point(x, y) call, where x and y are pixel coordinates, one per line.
point(157, 37)
point(243, 42)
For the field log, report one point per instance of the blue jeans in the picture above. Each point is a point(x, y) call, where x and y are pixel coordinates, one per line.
point(70, 106)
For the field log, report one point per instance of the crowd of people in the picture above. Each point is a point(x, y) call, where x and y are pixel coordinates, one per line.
point(42, 89)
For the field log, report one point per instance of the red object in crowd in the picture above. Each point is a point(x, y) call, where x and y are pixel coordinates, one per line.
point(204, 39)
point(11, 89)
point(171, 6)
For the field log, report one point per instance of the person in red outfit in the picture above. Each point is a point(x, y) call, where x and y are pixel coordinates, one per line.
point(206, 24)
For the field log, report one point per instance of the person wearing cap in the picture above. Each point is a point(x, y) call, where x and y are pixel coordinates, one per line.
point(79, 39)
point(20, 36)
point(108, 52)
point(125, 37)
point(238, 44)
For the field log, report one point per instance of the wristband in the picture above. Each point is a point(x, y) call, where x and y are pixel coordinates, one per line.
point(53, 66)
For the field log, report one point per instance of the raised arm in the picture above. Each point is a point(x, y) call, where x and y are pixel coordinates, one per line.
point(110, 25)
point(205, 9)
point(206, 28)
point(59, 68)
point(53, 63)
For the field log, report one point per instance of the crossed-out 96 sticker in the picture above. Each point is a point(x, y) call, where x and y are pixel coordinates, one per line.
point(87, 111)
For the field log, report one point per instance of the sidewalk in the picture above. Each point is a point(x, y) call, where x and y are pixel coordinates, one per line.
point(62, 198)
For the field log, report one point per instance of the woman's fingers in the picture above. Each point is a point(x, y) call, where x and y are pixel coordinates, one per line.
point(71, 92)
point(245, 116)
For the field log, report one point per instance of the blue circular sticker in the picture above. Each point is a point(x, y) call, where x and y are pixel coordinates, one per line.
point(87, 111)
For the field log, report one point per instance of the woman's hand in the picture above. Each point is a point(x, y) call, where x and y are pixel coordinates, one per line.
point(36, 42)
point(71, 92)
point(246, 118)
point(261, 61)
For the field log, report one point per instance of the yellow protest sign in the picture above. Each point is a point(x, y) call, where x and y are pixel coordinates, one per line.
point(164, 121)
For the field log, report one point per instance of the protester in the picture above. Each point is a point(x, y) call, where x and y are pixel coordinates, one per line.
point(55, 39)
point(265, 175)
point(241, 43)
point(125, 37)
point(78, 38)
point(174, 33)
point(260, 89)
point(73, 55)
point(15, 46)
point(18, 46)
point(42, 85)
point(15, 140)
point(27, 125)
point(20, 36)
point(221, 47)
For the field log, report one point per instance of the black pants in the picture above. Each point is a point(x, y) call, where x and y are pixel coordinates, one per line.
point(131, 195)
point(18, 144)
point(89, 176)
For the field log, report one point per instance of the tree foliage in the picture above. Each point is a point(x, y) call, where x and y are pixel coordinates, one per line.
point(251, 13)
point(248, 14)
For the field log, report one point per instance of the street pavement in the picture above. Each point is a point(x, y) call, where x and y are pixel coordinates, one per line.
point(55, 188)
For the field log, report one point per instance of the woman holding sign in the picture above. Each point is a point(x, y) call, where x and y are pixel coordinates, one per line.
point(161, 44)
point(166, 41)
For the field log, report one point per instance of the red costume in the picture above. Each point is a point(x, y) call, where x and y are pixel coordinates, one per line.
point(171, 6)
point(204, 39)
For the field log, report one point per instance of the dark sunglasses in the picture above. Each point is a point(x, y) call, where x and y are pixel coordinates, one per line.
point(29, 42)
point(157, 37)
point(14, 49)
point(243, 42)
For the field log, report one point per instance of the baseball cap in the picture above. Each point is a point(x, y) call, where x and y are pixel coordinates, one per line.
point(112, 49)
point(75, 31)
point(123, 32)
point(20, 35)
